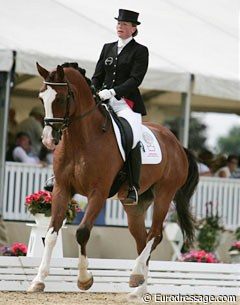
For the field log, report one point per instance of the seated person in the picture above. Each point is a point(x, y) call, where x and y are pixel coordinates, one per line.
point(46, 155)
point(20, 152)
point(231, 166)
point(33, 126)
point(203, 169)
point(203, 161)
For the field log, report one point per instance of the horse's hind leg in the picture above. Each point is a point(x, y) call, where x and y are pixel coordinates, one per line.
point(154, 237)
point(136, 225)
point(162, 201)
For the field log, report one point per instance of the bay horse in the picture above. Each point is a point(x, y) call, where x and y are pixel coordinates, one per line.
point(87, 161)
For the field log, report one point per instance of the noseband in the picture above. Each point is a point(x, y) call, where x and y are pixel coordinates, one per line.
point(66, 121)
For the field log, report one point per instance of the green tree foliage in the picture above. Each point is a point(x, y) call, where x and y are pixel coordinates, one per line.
point(197, 132)
point(230, 144)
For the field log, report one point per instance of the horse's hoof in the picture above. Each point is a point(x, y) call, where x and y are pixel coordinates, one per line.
point(36, 287)
point(136, 280)
point(85, 285)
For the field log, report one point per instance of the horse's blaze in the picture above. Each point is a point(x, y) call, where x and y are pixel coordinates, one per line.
point(48, 96)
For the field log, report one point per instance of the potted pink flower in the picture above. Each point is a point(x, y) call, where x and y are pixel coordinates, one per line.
point(17, 249)
point(41, 203)
point(199, 257)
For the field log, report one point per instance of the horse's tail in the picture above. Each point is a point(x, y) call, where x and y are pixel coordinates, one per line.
point(182, 199)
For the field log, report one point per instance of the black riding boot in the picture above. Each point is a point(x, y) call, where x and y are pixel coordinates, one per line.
point(49, 184)
point(135, 162)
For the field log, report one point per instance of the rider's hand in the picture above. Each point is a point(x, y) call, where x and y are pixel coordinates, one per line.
point(106, 94)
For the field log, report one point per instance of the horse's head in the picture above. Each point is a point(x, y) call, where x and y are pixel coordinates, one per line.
point(56, 96)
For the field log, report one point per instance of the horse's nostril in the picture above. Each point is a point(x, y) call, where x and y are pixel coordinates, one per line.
point(56, 134)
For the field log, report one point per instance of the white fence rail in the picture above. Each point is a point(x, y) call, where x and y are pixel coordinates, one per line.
point(112, 275)
point(22, 180)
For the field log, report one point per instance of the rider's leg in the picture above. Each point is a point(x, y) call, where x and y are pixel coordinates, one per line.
point(135, 120)
point(135, 169)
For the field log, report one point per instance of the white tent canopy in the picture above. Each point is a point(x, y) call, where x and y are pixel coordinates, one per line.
point(184, 37)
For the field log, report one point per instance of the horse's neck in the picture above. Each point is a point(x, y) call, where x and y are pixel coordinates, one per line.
point(87, 117)
point(87, 120)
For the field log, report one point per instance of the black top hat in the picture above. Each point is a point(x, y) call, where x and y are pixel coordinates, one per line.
point(129, 16)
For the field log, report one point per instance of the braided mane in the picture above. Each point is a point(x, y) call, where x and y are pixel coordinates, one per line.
point(75, 66)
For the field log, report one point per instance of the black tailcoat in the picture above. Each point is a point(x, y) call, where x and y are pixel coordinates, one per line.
point(123, 72)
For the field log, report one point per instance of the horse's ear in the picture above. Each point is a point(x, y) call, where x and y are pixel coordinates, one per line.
point(42, 71)
point(60, 73)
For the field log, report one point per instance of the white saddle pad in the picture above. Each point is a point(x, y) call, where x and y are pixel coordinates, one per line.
point(150, 151)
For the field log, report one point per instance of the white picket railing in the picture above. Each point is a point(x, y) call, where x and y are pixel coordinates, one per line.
point(22, 180)
point(203, 281)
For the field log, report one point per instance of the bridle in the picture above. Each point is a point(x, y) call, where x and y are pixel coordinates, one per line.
point(66, 120)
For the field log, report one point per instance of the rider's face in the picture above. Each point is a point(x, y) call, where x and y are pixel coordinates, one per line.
point(125, 29)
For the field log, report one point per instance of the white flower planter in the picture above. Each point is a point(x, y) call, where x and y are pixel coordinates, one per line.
point(42, 220)
point(235, 256)
point(36, 242)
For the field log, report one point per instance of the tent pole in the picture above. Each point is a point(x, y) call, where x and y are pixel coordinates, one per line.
point(185, 114)
point(5, 83)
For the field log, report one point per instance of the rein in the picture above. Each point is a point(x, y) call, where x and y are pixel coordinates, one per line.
point(66, 120)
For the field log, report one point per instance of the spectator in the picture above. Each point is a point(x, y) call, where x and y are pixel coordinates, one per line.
point(46, 155)
point(33, 126)
point(231, 166)
point(204, 162)
point(203, 169)
point(218, 162)
point(20, 152)
point(236, 173)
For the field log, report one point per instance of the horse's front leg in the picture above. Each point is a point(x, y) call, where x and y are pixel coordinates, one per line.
point(95, 204)
point(59, 208)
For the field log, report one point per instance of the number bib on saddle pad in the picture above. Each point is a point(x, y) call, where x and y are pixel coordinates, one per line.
point(150, 150)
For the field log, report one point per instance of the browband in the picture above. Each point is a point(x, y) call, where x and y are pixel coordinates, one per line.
point(55, 84)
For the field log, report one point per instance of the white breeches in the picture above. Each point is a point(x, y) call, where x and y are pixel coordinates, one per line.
point(134, 119)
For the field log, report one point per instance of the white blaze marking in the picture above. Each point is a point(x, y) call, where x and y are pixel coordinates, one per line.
point(48, 96)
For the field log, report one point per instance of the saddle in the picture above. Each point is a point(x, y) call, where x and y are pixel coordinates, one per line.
point(125, 131)
point(150, 152)
point(126, 136)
